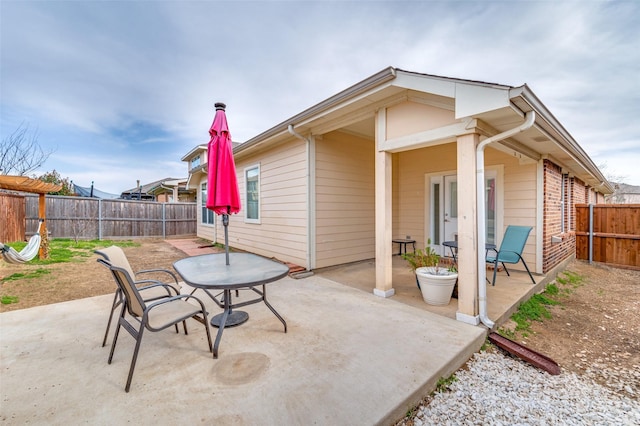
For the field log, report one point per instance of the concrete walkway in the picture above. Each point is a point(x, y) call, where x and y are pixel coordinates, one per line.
point(349, 357)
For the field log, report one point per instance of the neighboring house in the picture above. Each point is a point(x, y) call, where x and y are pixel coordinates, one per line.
point(173, 191)
point(395, 155)
point(167, 190)
point(624, 194)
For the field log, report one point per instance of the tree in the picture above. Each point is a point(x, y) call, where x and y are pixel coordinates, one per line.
point(55, 178)
point(615, 180)
point(20, 152)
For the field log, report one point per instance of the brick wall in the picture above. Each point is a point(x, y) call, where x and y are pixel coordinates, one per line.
point(555, 252)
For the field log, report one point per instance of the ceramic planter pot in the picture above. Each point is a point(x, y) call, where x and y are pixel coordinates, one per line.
point(436, 285)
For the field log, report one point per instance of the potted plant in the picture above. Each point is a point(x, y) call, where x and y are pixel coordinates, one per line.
point(434, 281)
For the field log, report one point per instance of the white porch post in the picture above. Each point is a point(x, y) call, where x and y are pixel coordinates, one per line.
point(467, 230)
point(384, 265)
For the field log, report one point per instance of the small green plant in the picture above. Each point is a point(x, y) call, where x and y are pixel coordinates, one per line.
point(426, 257)
point(411, 412)
point(570, 278)
point(7, 300)
point(507, 332)
point(444, 383)
point(534, 309)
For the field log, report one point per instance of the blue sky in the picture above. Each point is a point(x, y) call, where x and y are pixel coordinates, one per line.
point(122, 90)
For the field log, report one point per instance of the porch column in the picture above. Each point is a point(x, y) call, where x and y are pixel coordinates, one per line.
point(384, 266)
point(467, 230)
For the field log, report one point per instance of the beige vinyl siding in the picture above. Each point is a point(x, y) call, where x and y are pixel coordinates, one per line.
point(345, 199)
point(282, 231)
point(413, 165)
point(519, 199)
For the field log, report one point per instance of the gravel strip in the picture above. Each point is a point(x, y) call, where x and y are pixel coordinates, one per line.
point(495, 389)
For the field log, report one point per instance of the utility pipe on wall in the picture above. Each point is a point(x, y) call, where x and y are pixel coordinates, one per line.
point(310, 202)
point(530, 118)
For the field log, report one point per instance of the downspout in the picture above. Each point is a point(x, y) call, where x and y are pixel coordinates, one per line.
point(530, 118)
point(310, 203)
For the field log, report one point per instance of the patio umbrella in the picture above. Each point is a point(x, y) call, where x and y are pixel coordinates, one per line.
point(223, 196)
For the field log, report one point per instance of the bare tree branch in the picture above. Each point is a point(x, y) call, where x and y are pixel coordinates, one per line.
point(20, 152)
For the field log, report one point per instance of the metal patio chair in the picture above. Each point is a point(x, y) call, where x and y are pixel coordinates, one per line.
point(114, 256)
point(510, 251)
point(154, 316)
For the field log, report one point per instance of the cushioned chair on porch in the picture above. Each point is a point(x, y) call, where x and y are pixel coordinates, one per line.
point(513, 242)
point(114, 256)
point(155, 316)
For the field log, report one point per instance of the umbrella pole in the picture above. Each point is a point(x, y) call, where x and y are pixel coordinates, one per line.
point(225, 222)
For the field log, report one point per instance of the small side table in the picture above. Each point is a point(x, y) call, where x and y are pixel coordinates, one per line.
point(403, 242)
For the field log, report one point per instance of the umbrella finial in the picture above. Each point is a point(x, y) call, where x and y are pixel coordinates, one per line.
point(220, 105)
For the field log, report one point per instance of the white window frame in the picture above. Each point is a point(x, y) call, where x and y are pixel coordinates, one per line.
point(248, 207)
point(203, 207)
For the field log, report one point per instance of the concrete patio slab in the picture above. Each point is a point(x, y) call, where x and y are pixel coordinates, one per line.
point(348, 358)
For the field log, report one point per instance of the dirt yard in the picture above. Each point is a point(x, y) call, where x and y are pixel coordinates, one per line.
point(595, 332)
point(82, 278)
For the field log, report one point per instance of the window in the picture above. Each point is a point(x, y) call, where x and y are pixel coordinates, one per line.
point(435, 212)
point(195, 162)
point(490, 209)
point(252, 188)
point(207, 216)
point(453, 199)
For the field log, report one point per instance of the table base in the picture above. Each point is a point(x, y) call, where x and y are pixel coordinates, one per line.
point(233, 319)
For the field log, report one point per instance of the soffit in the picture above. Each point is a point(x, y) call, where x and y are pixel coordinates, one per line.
point(354, 112)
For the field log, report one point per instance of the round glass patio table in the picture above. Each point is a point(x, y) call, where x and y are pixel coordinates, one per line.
point(210, 273)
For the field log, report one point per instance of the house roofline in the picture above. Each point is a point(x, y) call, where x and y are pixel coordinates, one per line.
point(200, 147)
point(377, 79)
point(566, 141)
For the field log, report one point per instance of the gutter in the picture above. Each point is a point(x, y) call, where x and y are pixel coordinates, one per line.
point(530, 119)
point(310, 154)
point(566, 141)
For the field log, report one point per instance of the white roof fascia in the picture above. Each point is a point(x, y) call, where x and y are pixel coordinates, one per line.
point(190, 154)
point(565, 140)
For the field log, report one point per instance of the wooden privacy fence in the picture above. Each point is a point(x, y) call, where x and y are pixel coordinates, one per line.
point(12, 212)
point(609, 233)
point(92, 218)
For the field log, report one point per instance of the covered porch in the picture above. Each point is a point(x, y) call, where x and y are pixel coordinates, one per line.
point(503, 298)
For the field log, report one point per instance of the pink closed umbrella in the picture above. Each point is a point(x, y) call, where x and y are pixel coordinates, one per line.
point(223, 195)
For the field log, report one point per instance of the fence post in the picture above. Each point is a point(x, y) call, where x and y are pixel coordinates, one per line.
point(99, 219)
point(164, 221)
point(590, 233)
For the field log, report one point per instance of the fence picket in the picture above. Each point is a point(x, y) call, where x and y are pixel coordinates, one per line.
point(92, 218)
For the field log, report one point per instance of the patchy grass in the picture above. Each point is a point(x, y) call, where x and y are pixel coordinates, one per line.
point(537, 307)
point(7, 300)
point(27, 275)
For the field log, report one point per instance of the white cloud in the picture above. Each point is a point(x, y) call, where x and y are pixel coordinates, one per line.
point(88, 73)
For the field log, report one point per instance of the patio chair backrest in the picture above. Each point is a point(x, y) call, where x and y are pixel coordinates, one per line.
point(514, 240)
point(116, 257)
point(135, 303)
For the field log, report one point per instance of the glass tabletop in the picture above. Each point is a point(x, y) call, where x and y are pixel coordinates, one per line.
point(244, 270)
